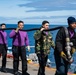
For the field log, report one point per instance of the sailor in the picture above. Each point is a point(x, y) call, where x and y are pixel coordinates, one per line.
point(43, 43)
point(3, 47)
point(60, 52)
point(20, 40)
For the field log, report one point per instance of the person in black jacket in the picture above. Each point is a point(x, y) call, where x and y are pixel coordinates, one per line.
point(63, 65)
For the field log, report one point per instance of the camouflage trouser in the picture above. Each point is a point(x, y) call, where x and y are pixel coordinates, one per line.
point(42, 63)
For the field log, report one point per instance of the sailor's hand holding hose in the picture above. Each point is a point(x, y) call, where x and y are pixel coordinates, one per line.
point(42, 29)
point(16, 30)
point(73, 50)
point(63, 55)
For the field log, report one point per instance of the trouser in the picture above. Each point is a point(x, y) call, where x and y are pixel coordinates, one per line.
point(62, 65)
point(42, 63)
point(19, 51)
point(3, 52)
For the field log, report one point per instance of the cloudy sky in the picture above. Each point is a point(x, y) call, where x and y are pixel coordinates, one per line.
point(35, 11)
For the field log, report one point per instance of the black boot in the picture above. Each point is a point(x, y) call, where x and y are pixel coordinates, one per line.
point(16, 73)
point(25, 73)
point(3, 70)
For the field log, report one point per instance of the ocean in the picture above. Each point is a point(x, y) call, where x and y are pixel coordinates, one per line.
point(32, 41)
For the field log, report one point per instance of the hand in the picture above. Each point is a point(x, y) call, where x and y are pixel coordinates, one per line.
point(16, 30)
point(73, 50)
point(63, 55)
point(28, 47)
point(42, 29)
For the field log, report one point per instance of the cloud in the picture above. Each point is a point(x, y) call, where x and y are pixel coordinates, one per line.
point(35, 11)
point(50, 5)
point(60, 20)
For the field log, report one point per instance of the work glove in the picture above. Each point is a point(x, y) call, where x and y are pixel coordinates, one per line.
point(73, 50)
point(63, 55)
point(28, 48)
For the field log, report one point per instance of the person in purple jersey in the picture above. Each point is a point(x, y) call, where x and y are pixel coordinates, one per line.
point(20, 39)
point(3, 47)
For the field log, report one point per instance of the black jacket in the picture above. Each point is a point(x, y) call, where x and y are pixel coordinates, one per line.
point(60, 40)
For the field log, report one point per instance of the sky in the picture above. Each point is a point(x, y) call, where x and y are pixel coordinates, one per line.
point(35, 11)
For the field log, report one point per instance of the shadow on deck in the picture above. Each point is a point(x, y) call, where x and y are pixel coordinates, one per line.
point(32, 68)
